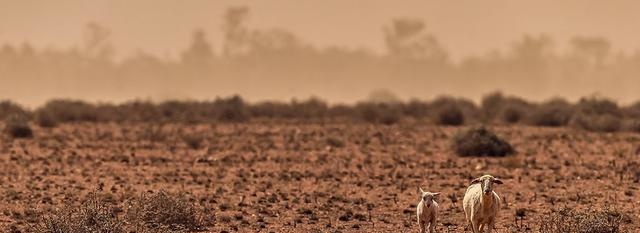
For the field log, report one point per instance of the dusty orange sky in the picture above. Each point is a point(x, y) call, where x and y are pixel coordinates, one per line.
point(464, 27)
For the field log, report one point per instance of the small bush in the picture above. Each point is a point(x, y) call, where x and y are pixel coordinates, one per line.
point(335, 142)
point(492, 104)
point(450, 111)
point(553, 113)
point(513, 114)
point(8, 108)
point(94, 215)
point(480, 142)
point(571, 221)
point(416, 109)
point(193, 141)
point(231, 109)
point(598, 115)
point(165, 211)
point(17, 126)
point(69, 111)
point(450, 115)
point(597, 123)
point(45, 119)
point(380, 113)
point(634, 125)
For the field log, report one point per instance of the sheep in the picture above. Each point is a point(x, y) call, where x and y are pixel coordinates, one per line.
point(481, 203)
point(427, 211)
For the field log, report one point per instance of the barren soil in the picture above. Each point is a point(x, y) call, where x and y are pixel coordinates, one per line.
point(289, 177)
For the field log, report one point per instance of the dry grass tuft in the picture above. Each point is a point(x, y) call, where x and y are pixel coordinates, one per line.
point(164, 211)
point(572, 221)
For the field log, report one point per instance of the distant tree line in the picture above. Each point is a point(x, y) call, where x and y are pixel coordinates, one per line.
point(415, 61)
point(590, 113)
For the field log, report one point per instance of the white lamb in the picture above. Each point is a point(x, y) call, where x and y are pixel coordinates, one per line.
point(481, 203)
point(427, 211)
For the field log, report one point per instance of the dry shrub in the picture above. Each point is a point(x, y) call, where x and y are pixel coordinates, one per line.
point(94, 215)
point(480, 141)
point(553, 113)
point(8, 108)
point(45, 119)
point(380, 113)
point(492, 104)
point(416, 109)
point(449, 111)
point(597, 123)
point(335, 142)
point(513, 113)
point(572, 221)
point(164, 211)
point(598, 115)
point(69, 111)
point(515, 110)
point(232, 109)
point(307, 109)
point(193, 141)
point(17, 126)
point(311, 108)
point(633, 125)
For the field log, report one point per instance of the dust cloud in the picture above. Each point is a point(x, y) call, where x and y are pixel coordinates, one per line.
point(422, 49)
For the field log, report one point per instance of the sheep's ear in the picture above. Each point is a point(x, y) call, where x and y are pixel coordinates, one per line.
point(435, 194)
point(475, 181)
point(421, 191)
point(497, 181)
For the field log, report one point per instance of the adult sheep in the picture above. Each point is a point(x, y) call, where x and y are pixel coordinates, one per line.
point(481, 203)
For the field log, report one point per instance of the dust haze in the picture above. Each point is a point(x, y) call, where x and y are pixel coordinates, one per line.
point(115, 51)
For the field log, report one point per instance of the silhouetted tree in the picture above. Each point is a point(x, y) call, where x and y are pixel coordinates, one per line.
point(199, 52)
point(236, 34)
point(406, 38)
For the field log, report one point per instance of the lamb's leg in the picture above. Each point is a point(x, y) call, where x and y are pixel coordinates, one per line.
point(491, 225)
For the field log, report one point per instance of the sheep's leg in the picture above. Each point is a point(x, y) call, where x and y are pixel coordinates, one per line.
point(432, 225)
point(421, 225)
point(475, 226)
point(481, 227)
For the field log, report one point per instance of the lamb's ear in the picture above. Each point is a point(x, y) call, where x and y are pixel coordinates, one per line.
point(435, 194)
point(421, 191)
point(497, 181)
point(475, 181)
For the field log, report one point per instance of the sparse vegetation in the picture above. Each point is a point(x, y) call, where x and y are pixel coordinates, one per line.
point(553, 113)
point(479, 141)
point(448, 111)
point(165, 211)
point(572, 221)
point(17, 126)
point(597, 114)
point(93, 215)
point(380, 113)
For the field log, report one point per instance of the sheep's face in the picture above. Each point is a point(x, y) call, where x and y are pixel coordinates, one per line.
point(428, 197)
point(486, 183)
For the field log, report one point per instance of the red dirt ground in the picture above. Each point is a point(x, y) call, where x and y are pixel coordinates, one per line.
point(286, 177)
